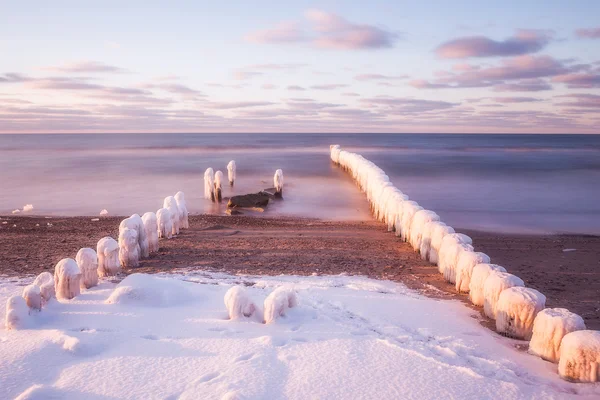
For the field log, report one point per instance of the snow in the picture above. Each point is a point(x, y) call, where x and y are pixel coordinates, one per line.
point(150, 291)
point(478, 278)
point(165, 223)
point(209, 184)
point(278, 181)
point(87, 260)
point(240, 305)
point(467, 260)
point(231, 171)
point(33, 297)
point(516, 310)
point(17, 313)
point(151, 228)
point(349, 337)
point(129, 249)
point(278, 303)
point(183, 210)
point(495, 283)
point(549, 328)
point(67, 279)
point(580, 356)
point(107, 251)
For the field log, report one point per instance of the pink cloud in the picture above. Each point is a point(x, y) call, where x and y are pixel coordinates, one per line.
point(593, 33)
point(579, 81)
point(524, 42)
point(329, 86)
point(582, 100)
point(284, 32)
point(244, 75)
point(379, 77)
point(238, 104)
point(269, 86)
point(295, 87)
point(515, 99)
point(526, 85)
point(86, 67)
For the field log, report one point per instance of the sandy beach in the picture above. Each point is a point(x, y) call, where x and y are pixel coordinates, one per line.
point(564, 267)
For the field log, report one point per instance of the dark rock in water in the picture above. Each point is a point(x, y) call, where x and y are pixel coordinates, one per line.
point(252, 200)
point(273, 193)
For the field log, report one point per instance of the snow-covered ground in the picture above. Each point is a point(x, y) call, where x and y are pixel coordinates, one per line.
point(349, 338)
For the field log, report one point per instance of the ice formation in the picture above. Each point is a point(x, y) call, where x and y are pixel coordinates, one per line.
point(418, 226)
point(439, 232)
point(165, 223)
point(278, 182)
point(478, 278)
point(130, 223)
point(580, 356)
point(171, 204)
point(107, 251)
point(549, 328)
point(231, 172)
point(151, 228)
point(449, 252)
point(219, 186)
point(104, 212)
point(142, 237)
point(33, 297)
point(128, 248)
point(45, 281)
point(28, 207)
point(494, 285)
point(516, 310)
point(67, 279)
point(278, 302)
point(426, 237)
point(17, 313)
point(467, 260)
point(87, 260)
point(183, 211)
point(238, 303)
point(209, 184)
point(409, 209)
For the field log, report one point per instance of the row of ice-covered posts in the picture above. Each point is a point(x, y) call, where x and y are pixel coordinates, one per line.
point(556, 334)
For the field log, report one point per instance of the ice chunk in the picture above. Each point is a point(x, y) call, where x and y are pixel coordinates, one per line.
point(87, 260)
point(580, 356)
point(45, 281)
point(516, 310)
point(151, 228)
point(107, 251)
point(478, 278)
point(183, 211)
point(278, 302)
point(33, 297)
point(67, 279)
point(17, 313)
point(495, 284)
point(549, 327)
point(129, 255)
point(467, 260)
point(238, 303)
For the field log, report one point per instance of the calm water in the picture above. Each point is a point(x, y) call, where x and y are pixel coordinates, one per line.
point(524, 183)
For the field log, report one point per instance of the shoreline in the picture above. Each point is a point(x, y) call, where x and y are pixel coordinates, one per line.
point(305, 246)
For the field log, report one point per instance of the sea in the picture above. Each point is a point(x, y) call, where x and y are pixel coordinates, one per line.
point(526, 184)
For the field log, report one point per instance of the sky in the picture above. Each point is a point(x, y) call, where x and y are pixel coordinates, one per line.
point(332, 66)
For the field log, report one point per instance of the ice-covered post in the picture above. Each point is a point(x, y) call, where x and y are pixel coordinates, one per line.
point(183, 211)
point(171, 204)
point(549, 328)
point(151, 228)
point(238, 303)
point(278, 302)
point(33, 297)
point(45, 281)
point(209, 184)
point(231, 171)
point(17, 313)
point(107, 251)
point(165, 223)
point(67, 278)
point(278, 183)
point(218, 186)
point(87, 260)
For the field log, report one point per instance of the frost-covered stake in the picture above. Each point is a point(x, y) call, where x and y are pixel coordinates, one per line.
point(107, 251)
point(209, 184)
point(67, 279)
point(467, 260)
point(171, 204)
point(87, 261)
point(218, 186)
point(495, 284)
point(580, 356)
point(516, 310)
point(128, 248)
point(183, 211)
point(278, 182)
point(478, 278)
point(17, 313)
point(130, 223)
point(438, 234)
point(165, 223)
point(231, 172)
point(238, 303)
point(45, 281)
point(151, 228)
point(449, 252)
point(142, 238)
point(409, 209)
point(549, 328)
point(33, 297)
point(418, 224)
point(278, 302)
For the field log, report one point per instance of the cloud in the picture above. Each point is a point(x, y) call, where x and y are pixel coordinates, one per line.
point(527, 85)
point(515, 99)
point(379, 77)
point(289, 66)
point(295, 87)
point(593, 33)
point(269, 86)
point(329, 86)
point(581, 100)
point(86, 67)
point(176, 88)
point(407, 105)
point(238, 104)
point(524, 42)
point(350, 94)
point(244, 75)
point(13, 77)
point(579, 80)
point(423, 84)
point(327, 31)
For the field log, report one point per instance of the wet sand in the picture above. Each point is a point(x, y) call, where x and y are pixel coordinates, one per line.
point(249, 245)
